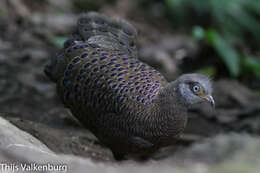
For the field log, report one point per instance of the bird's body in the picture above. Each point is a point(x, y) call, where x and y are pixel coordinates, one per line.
point(127, 104)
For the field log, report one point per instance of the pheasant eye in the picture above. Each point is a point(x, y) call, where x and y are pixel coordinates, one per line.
point(196, 89)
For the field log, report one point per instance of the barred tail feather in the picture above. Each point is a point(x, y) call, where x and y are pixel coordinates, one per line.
point(110, 33)
point(115, 34)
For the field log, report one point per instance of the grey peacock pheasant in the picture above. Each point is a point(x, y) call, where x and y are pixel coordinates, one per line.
point(127, 104)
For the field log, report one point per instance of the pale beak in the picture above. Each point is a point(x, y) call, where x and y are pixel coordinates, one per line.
point(210, 99)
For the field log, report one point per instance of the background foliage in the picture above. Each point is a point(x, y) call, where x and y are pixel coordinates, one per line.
point(231, 28)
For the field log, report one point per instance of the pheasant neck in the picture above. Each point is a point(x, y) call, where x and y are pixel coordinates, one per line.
point(168, 114)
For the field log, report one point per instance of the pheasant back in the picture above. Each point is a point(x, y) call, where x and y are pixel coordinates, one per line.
point(98, 70)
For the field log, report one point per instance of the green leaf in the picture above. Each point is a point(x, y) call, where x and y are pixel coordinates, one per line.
point(238, 19)
point(58, 41)
point(209, 71)
point(230, 56)
point(198, 33)
point(253, 64)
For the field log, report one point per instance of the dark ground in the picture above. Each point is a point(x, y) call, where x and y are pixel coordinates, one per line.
point(29, 31)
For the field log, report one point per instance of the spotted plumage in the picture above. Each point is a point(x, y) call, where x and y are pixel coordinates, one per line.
point(107, 74)
point(126, 103)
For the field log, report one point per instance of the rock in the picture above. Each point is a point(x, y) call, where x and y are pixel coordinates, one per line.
point(62, 135)
point(13, 138)
point(55, 24)
point(219, 149)
point(89, 5)
point(167, 52)
point(225, 153)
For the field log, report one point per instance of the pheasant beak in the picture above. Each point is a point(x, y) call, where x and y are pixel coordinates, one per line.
point(210, 99)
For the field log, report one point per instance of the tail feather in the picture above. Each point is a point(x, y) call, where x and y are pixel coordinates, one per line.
point(110, 33)
point(54, 70)
point(95, 28)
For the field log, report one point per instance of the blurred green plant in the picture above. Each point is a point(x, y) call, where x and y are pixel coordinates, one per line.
point(3, 10)
point(235, 60)
point(231, 17)
point(229, 56)
point(224, 24)
point(58, 41)
point(253, 64)
point(208, 70)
